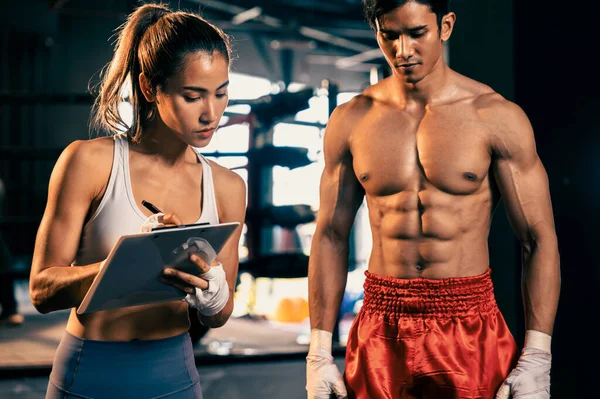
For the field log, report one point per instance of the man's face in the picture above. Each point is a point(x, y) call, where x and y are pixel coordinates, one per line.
point(410, 40)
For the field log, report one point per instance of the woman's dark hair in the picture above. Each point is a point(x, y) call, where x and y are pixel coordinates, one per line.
point(155, 41)
point(375, 9)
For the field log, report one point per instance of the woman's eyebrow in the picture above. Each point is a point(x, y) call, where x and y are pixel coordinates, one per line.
point(204, 90)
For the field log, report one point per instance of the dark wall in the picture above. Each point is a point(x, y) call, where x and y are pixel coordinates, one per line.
point(44, 53)
point(541, 57)
point(482, 48)
point(557, 84)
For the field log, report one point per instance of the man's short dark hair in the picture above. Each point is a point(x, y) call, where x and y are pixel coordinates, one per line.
point(375, 9)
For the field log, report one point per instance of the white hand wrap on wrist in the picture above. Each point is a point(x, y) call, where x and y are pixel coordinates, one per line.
point(151, 223)
point(531, 377)
point(322, 375)
point(538, 340)
point(211, 301)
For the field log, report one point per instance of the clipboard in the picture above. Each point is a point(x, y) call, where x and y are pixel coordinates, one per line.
point(130, 275)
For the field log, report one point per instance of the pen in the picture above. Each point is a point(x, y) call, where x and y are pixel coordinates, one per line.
point(150, 207)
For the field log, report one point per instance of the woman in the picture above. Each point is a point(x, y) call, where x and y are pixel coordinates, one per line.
point(178, 67)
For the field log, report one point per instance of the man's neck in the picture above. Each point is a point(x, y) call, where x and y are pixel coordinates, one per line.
point(429, 90)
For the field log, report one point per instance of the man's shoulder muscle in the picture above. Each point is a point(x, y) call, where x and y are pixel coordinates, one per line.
point(354, 109)
point(509, 128)
point(347, 116)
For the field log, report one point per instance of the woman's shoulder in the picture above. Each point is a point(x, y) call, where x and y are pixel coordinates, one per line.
point(224, 177)
point(230, 193)
point(88, 155)
point(230, 188)
point(82, 169)
point(97, 147)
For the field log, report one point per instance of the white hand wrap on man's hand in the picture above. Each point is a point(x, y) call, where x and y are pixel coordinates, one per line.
point(151, 222)
point(531, 377)
point(212, 300)
point(322, 375)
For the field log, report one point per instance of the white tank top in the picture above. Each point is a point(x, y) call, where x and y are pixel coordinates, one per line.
point(118, 214)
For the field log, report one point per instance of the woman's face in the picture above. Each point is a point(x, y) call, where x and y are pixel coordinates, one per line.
point(193, 100)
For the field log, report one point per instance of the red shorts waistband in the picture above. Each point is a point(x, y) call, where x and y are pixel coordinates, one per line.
point(450, 297)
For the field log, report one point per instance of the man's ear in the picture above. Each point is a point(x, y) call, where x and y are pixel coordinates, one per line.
point(447, 25)
point(147, 90)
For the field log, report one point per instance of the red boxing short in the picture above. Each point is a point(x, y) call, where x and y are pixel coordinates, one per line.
point(428, 339)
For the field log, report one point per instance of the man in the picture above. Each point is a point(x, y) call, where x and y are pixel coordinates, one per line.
point(433, 152)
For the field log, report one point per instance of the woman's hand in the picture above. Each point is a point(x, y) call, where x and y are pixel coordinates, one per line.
point(209, 293)
point(185, 281)
point(158, 220)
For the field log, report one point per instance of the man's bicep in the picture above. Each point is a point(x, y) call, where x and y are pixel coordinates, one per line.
point(526, 198)
point(340, 197)
point(522, 179)
point(340, 192)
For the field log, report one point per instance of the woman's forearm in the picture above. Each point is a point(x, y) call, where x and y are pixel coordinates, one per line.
point(61, 287)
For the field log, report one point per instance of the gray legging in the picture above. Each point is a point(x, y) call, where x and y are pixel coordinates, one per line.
point(162, 368)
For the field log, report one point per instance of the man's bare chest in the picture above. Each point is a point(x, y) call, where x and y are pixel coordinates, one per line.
point(450, 152)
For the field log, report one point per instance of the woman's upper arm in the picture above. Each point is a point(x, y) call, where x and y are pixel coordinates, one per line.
point(230, 191)
point(76, 180)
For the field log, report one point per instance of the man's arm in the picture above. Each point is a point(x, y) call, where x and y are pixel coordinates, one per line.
point(523, 183)
point(340, 197)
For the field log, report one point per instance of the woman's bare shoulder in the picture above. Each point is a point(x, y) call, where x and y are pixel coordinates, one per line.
point(230, 193)
point(226, 179)
point(86, 161)
point(90, 150)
